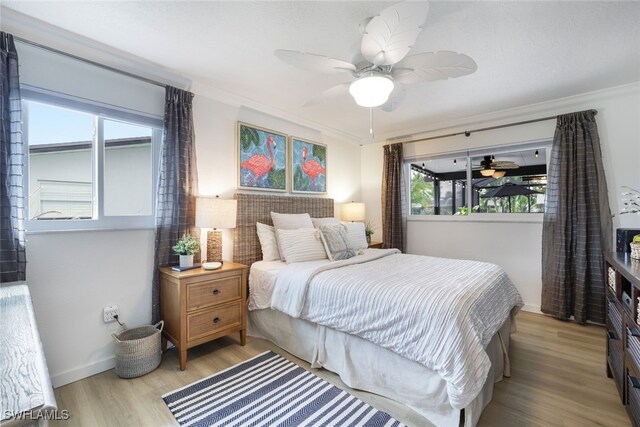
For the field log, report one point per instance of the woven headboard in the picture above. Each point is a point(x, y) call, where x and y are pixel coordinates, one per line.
point(254, 208)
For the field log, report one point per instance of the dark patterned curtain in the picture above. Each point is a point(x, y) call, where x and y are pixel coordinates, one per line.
point(175, 206)
point(577, 222)
point(12, 157)
point(393, 198)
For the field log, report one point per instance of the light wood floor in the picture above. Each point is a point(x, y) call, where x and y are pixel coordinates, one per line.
point(558, 379)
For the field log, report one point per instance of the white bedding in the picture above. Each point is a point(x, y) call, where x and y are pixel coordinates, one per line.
point(438, 312)
point(262, 281)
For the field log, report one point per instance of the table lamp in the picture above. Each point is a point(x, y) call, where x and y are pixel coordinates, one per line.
point(215, 213)
point(353, 212)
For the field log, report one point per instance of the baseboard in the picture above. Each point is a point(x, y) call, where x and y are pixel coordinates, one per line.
point(82, 372)
point(532, 308)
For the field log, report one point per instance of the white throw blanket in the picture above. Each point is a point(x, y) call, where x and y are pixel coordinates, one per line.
point(438, 312)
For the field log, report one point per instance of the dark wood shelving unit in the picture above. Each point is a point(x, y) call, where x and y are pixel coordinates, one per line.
point(622, 275)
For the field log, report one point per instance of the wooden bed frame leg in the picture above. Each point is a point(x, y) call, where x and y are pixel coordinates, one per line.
point(243, 337)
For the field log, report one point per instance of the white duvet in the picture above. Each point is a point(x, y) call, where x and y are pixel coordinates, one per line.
point(438, 312)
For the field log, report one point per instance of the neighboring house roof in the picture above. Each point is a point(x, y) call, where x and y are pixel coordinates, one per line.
point(85, 145)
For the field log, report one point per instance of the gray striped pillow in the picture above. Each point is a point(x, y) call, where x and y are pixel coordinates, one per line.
point(301, 245)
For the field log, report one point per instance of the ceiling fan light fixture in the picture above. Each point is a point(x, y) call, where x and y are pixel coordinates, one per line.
point(371, 90)
point(499, 174)
point(487, 172)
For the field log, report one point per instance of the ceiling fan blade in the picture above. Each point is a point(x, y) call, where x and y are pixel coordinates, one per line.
point(430, 66)
point(312, 62)
point(504, 165)
point(333, 92)
point(395, 98)
point(389, 36)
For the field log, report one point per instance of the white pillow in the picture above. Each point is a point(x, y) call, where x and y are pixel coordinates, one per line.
point(336, 242)
point(291, 221)
point(301, 245)
point(357, 238)
point(268, 242)
point(318, 222)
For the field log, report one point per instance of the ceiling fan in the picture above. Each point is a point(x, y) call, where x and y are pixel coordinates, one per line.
point(490, 167)
point(380, 80)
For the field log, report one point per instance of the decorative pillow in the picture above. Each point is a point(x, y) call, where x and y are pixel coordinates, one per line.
point(336, 242)
point(289, 222)
point(300, 245)
point(268, 242)
point(318, 222)
point(357, 238)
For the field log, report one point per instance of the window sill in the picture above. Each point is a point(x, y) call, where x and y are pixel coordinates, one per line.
point(111, 224)
point(84, 230)
point(535, 218)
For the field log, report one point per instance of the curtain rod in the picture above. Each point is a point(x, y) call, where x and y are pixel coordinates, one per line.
point(469, 132)
point(88, 61)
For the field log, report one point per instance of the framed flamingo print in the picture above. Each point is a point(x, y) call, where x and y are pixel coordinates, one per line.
point(262, 158)
point(309, 166)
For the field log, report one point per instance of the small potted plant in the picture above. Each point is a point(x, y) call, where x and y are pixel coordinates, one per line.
point(369, 229)
point(186, 247)
point(635, 249)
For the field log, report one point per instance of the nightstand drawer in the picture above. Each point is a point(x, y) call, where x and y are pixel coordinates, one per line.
point(216, 319)
point(205, 294)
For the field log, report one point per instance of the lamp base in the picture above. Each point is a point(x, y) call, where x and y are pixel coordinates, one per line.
point(214, 246)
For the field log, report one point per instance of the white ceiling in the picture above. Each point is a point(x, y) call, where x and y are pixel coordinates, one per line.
point(526, 52)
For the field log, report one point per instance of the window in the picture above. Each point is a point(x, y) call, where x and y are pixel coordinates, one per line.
point(89, 166)
point(511, 180)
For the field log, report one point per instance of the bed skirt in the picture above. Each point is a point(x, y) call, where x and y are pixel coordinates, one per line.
point(366, 366)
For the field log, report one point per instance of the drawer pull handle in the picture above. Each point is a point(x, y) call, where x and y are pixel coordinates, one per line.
point(216, 291)
point(216, 320)
point(634, 381)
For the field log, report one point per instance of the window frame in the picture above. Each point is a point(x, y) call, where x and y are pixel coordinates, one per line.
point(101, 112)
point(523, 217)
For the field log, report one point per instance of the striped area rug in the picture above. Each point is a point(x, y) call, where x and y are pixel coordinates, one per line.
point(269, 390)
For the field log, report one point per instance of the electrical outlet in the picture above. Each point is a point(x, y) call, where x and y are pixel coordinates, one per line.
point(109, 312)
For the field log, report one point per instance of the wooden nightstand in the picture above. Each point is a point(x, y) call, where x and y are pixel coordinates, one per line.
point(375, 245)
point(200, 305)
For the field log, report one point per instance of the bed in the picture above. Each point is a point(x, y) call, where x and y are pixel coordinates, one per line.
point(384, 355)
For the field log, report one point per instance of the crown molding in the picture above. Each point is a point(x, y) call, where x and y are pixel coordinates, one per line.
point(40, 32)
point(522, 113)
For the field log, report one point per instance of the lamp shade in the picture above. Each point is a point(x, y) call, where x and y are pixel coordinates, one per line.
point(487, 172)
point(213, 212)
point(371, 91)
point(353, 212)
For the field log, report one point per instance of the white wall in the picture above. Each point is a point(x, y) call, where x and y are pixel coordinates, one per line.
point(516, 246)
point(71, 277)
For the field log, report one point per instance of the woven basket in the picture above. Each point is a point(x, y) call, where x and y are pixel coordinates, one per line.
point(635, 250)
point(138, 350)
